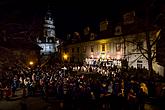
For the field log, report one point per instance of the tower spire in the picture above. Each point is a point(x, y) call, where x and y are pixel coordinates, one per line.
point(49, 41)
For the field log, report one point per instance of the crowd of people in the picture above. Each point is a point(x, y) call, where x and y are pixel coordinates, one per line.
point(83, 86)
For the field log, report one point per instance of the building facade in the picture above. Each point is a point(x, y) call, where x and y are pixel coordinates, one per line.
point(127, 41)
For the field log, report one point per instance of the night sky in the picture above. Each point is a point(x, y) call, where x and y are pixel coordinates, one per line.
point(69, 15)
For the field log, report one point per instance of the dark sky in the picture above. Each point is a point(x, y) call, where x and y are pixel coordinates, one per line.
point(69, 15)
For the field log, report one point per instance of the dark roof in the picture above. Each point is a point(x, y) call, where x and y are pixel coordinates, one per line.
point(128, 29)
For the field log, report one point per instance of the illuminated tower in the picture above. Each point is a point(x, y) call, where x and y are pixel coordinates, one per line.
point(48, 42)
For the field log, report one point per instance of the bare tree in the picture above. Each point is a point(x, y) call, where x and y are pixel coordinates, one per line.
point(148, 51)
point(150, 40)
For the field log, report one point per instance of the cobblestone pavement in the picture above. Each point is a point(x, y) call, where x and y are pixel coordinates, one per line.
point(37, 103)
point(12, 104)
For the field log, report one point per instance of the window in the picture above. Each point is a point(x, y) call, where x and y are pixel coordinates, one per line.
point(45, 33)
point(118, 47)
point(92, 36)
point(92, 49)
point(103, 47)
point(139, 63)
point(73, 50)
point(84, 49)
point(118, 30)
point(49, 33)
point(78, 49)
point(139, 45)
point(50, 40)
point(52, 33)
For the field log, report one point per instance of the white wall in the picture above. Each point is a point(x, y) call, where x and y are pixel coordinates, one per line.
point(158, 69)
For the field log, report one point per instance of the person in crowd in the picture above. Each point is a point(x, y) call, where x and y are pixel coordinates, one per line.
point(132, 100)
point(113, 81)
point(14, 86)
point(1, 90)
point(143, 92)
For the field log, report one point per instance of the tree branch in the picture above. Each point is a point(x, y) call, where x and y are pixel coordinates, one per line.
point(157, 38)
point(135, 43)
point(154, 55)
point(143, 54)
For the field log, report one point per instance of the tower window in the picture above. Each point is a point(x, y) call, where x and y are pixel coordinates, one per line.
point(118, 47)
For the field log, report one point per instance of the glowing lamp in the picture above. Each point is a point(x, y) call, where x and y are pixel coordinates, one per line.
point(31, 63)
point(65, 56)
point(108, 56)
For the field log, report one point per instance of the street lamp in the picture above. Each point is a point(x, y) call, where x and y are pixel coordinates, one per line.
point(31, 63)
point(65, 56)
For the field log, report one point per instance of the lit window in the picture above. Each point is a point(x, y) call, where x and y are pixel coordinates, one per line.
point(49, 32)
point(50, 40)
point(129, 17)
point(103, 47)
point(103, 25)
point(118, 47)
point(139, 65)
point(139, 45)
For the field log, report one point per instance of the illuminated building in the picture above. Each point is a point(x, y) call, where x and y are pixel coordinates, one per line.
point(48, 42)
point(124, 40)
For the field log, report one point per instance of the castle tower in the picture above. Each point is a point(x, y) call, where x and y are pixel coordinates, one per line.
point(49, 28)
point(48, 42)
